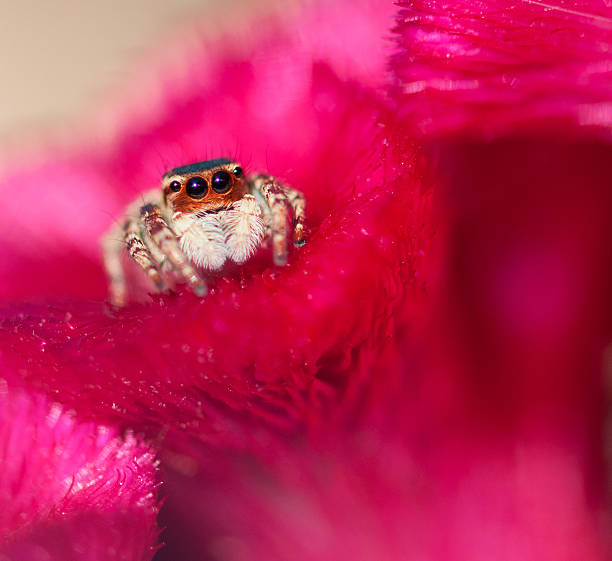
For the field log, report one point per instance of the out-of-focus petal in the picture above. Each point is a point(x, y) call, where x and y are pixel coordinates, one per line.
point(510, 101)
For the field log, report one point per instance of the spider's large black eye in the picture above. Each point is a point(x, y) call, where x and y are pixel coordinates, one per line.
point(221, 182)
point(175, 186)
point(196, 187)
point(238, 172)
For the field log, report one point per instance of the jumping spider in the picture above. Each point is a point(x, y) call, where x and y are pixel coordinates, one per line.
point(204, 215)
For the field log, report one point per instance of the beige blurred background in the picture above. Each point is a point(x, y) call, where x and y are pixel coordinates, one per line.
point(58, 56)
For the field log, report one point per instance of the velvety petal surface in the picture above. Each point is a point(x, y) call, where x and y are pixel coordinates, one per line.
point(72, 490)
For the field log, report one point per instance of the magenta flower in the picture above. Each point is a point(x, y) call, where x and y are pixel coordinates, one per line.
point(382, 396)
point(69, 490)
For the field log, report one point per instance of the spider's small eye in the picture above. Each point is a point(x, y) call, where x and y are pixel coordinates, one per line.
point(196, 187)
point(175, 186)
point(221, 182)
point(238, 172)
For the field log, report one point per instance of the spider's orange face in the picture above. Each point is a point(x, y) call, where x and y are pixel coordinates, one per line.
point(210, 185)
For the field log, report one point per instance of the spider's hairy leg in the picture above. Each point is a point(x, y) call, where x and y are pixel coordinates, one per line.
point(164, 238)
point(112, 245)
point(130, 237)
point(298, 204)
point(275, 198)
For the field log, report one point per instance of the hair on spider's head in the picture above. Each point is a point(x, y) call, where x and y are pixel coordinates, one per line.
point(198, 166)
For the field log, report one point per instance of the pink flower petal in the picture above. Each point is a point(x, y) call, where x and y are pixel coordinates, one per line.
point(485, 67)
point(327, 410)
point(71, 490)
point(498, 94)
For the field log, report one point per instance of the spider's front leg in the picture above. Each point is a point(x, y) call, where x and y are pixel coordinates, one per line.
point(298, 204)
point(116, 239)
point(166, 242)
point(279, 198)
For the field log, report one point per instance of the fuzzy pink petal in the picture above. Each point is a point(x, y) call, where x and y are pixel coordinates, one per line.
point(490, 67)
point(71, 490)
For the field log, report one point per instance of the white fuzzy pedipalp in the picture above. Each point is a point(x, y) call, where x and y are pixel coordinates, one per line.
point(244, 229)
point(202, 239)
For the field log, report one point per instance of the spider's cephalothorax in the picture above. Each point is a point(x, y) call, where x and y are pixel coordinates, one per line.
point(205, 214)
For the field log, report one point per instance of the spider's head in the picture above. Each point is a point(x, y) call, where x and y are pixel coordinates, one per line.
point(209, 185)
